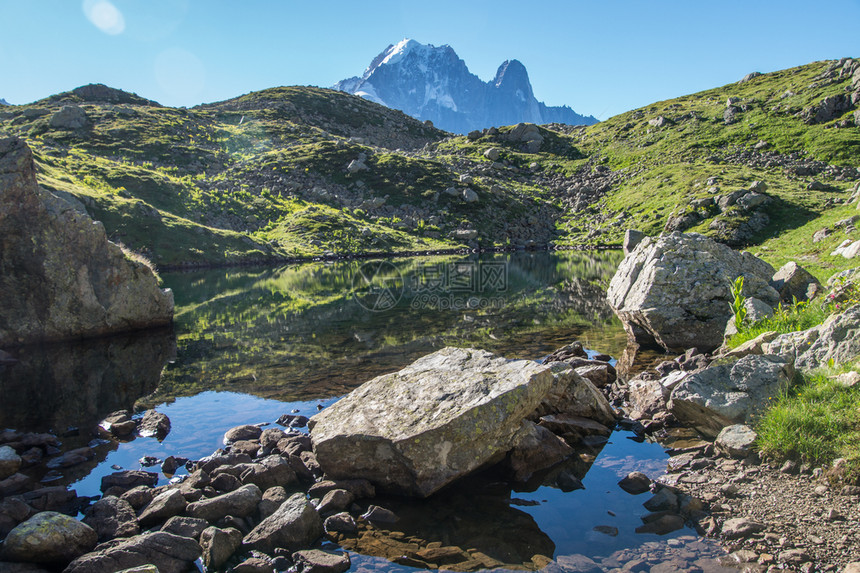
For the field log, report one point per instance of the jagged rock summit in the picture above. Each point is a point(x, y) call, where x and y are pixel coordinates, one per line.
point(433, 83)
point(60, 278)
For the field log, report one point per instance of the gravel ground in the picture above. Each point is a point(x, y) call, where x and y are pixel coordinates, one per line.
point(792, 521)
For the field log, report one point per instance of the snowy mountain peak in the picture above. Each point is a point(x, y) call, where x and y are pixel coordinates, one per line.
point(398, 51)
point(3, 101)
point(433, 83)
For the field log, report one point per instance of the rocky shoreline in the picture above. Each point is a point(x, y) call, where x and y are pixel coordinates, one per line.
point(275, 499)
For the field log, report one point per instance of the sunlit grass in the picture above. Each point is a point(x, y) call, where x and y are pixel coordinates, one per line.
point(816, 422)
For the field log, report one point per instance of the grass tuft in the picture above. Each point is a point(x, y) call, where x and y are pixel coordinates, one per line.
point(785, 319)
point(815, 422)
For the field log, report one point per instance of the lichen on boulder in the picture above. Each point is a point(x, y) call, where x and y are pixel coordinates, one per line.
point(447, 414)
point(673, 292)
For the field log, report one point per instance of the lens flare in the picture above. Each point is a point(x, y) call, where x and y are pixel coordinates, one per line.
point(104, 16)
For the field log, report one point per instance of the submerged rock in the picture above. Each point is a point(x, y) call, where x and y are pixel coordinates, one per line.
point(62, 276)
point(414, 431)
point(674, 292)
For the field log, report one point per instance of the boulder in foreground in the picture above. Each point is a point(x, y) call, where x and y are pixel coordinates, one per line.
point(60, 276)
point(414, 431)
point(673, 292)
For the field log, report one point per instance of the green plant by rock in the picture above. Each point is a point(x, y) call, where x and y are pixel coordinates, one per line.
point(737, 304)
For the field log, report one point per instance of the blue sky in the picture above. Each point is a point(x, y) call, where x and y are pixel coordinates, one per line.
point(601, 58)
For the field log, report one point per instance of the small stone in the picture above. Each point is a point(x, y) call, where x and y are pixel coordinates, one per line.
point(254, 564)
point(729, 490)
point(663, 500)
point(169, 465)
point(607, 530)
point(139, 496)
point(492, 154)
point(245, 432)
point(789, 467)
point(744, 556)
point(833, 515)
point(736, 440)
point(190, 527)
point(379, 514)
point(635, 483)
point(154, 424)
point(793, 556)
point(163, 506)
point(318, 561)
point(10, 462)
point(662, 525)
point(340, 523)
point(335, 500)
point(219, 545)
point(739, 527)
point(820, 490)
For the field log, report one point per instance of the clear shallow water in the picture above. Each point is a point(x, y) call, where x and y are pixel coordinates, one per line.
point(252, 344)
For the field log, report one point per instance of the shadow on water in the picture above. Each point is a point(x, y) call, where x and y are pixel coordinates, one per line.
point(74, 385)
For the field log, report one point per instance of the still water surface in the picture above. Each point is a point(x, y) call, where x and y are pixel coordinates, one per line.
point(253, 344)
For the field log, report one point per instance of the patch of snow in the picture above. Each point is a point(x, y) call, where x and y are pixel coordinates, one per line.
point(439, 93)
point(368, 92)
point(348, 85)
point(520, 95)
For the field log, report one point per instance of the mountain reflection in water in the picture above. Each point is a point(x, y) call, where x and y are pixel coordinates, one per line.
point(309, 331)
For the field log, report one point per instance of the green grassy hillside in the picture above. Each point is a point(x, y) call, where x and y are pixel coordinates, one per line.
point(300, 171)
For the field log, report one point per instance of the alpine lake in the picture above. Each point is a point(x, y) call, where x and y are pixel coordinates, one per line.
point(251, 344)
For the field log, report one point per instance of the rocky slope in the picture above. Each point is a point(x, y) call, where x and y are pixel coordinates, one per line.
point(59, 276)
point(433, 83)
point(769, 162)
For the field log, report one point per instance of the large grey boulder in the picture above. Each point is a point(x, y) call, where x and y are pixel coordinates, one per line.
point(838, 341)
point(414, 431)
point(674, 292)
point(732, 392)
point(49, 537)
point(169, 553)
point(59, 274)
point(296, 524)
